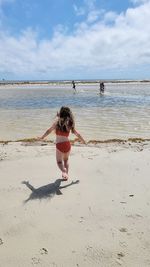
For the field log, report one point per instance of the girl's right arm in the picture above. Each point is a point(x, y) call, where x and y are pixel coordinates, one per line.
point(53, 127)
point(79, 136)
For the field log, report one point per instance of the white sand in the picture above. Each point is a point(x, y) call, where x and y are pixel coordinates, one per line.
point(104, 220)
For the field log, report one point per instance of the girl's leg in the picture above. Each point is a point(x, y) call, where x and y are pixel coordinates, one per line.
point(59, 159)
point(66, 160)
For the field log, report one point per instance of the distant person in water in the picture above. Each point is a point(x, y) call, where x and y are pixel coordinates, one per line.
point(74, 86)
point(63, 125)
point(102, 88)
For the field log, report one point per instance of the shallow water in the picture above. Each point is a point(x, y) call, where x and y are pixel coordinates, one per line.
point(123, 111)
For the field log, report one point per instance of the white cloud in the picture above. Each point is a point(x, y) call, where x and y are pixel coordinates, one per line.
point(116, 42)
point(139, 1)
point(79, 11)
point(87, 7)
point(94, 15)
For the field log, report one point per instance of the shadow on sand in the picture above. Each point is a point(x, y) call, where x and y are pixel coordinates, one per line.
point(47, 191)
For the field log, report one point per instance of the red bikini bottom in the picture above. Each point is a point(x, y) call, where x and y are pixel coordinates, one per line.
point(63, 147)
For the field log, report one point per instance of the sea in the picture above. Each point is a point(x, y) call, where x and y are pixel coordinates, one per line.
point(122, 112)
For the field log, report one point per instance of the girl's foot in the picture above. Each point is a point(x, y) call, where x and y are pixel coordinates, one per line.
point(65, 175)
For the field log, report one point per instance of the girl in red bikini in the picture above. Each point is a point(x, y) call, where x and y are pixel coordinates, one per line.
point(62, 127)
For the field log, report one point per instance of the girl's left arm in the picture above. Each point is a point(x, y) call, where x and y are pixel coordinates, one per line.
point(79, 136)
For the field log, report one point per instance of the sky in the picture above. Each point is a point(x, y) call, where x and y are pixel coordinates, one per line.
point(74, 39)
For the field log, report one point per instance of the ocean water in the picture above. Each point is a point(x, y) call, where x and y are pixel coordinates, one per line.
point(26, 111)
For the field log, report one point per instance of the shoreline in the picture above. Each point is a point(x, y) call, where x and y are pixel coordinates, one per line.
point(65, 82)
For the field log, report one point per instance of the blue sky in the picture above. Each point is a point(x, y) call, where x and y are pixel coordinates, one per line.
point(68, 39)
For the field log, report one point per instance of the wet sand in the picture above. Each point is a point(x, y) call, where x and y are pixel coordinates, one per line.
point(99, 217)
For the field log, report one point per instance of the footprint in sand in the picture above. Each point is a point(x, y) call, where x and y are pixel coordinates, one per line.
point(119, 261)
point(120, 255)
point(123, 244)
point(1, 241)
point(36, 261)
point(81, 219)
point(123, 230)
point(43, 251)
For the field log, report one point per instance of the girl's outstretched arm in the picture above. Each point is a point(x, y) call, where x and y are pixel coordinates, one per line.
point(79, 136)
point(53, 127)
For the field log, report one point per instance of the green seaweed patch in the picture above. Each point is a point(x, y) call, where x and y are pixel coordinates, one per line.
point(108, 141)
point(30, 140)
point(138, 140)
point(33, 140)
point(76, 140)
point(5, 142)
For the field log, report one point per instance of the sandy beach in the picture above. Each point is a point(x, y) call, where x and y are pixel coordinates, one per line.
point(99, 217)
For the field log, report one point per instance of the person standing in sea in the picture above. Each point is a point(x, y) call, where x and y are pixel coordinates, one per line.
point(102, 88)
point(74, 86)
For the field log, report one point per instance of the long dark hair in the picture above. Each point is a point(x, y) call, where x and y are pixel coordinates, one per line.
point(65, 121)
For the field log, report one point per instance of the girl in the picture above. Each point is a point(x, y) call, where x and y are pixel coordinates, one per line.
point(62, 127)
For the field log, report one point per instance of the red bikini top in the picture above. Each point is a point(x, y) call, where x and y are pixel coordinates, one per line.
point(58, 132)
